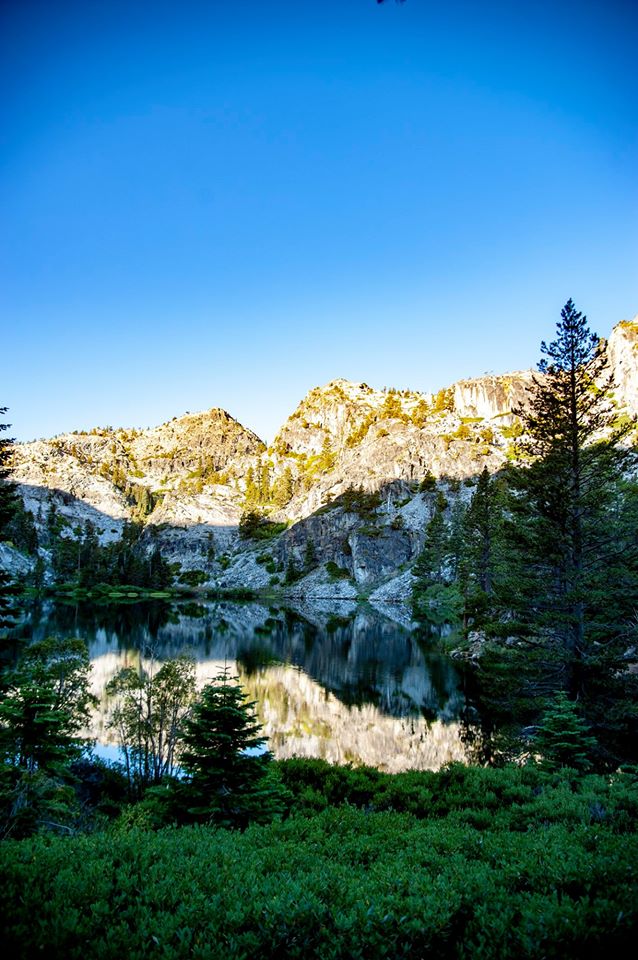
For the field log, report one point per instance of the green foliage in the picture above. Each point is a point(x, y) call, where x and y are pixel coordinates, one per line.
point(8, 496)
point(80, 559)
point(21, 529)
point(357, 500)
point(141, 498)
point(428, 483)
point(310, 555)
point(255, 526)
point(149, 710)
point(283, 489)
point(513, 432)
point(360, 433)
point(293, 573)
point(44, 707)
point(193, 578)
point(437, 604)
point(227, 778)
point(462, 432)
point(568, 496)
point(8, 506)
point(562, 737)
point(430, 566)
point(420, 414)
point(327, 457)
point(483, 574)
point(492, 864)
point(392, 409)
point(335, 572)
point(45, 704)
point(444, 401)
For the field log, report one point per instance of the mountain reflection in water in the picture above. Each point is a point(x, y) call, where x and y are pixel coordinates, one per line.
point(338, 681)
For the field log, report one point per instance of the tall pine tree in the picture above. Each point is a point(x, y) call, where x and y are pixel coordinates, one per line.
point(8, 504)
point(568, 492)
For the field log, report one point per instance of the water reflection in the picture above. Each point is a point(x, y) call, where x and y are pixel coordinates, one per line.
point(339, 681)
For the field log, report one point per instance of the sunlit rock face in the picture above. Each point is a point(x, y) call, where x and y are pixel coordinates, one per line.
point(493, 396)
point(622, 353)
point(342, 435)
point(87, 475)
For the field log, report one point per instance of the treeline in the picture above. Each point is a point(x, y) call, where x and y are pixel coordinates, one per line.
point(80, 558)
point(541, 566)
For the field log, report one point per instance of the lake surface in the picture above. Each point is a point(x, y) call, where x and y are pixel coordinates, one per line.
point(340, 681)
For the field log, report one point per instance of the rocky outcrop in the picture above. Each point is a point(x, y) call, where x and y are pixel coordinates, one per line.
point(14, 562)
point(622, 352)
point(493, 397)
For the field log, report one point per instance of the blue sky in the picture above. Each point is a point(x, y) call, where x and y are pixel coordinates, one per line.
point(228, 203)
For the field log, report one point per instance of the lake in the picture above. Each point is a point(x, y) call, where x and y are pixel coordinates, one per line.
point(345, 682)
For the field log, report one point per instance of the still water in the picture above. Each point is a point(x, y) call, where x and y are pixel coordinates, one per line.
point(344, 682)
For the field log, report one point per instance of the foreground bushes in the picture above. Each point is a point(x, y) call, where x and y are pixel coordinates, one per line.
point(342, 884)
point(511, 798)
point(490, 864)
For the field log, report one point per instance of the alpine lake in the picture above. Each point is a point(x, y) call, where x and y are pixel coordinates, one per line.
point(345, 682)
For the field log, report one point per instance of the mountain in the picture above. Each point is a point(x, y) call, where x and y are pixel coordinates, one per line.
point(349, 480)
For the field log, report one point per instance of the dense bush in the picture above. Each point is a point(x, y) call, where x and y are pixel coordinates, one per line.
point(512, 798)
point(467, 862)
point(342, 884)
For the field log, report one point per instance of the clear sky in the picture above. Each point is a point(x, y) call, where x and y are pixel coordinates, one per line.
point(226, 203)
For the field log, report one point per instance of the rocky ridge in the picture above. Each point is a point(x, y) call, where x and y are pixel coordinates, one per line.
point(352, 474)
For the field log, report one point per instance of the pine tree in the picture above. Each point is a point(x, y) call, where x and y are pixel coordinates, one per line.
point(482, 549)
point(226, 765)
point(435, 600)
point(8, 496)
point(567, 501)
point(45, 705)
point(429, 567)
point(263, 474)
point(563, 737)
point(8, 504)
point(252, 489)
point(282, 489)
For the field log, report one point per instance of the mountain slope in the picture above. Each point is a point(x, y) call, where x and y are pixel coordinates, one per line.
point(190, 480)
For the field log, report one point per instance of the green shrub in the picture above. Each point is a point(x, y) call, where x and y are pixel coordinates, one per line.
point(343, 883)
point(336, 572)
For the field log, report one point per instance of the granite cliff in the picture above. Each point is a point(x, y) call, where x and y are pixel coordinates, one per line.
point(349, 481)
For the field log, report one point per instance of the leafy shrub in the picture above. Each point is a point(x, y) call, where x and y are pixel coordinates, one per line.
point(344, 883)
point(336, 572)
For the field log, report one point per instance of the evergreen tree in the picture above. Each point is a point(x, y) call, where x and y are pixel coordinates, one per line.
point(282, 489)
point(264, 482)
point(481, 565)
point(8, 496)
point(429, 567)
point(567, 496)
point(8, 504)
point(310, 555)
point(252, 490)
point(327, 457)
point(563, 737)
point(45, 705)
point(435, 600)
point(226, 765)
